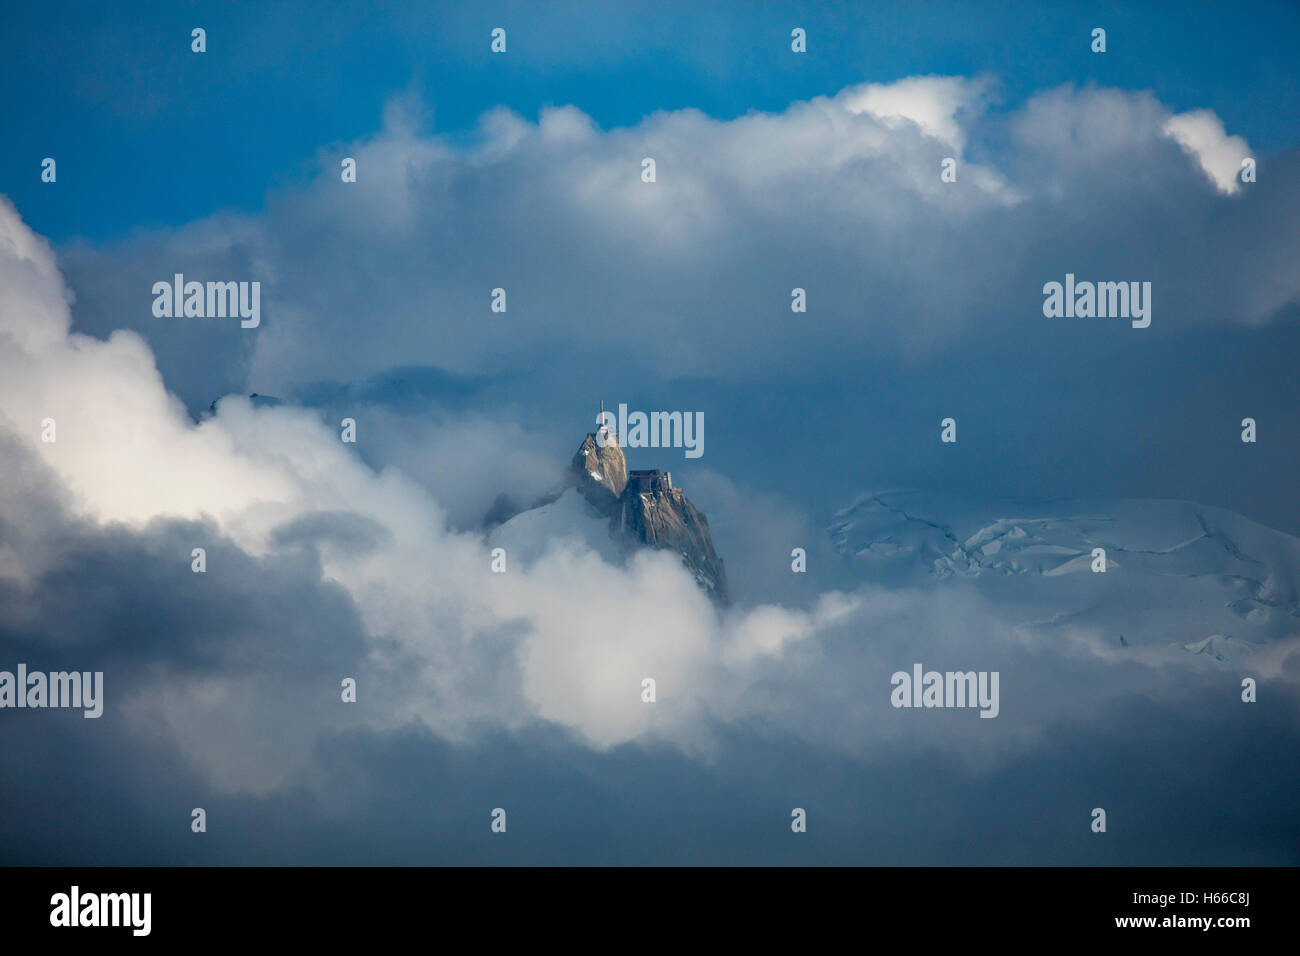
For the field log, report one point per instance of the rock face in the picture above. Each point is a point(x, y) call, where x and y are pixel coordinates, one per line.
point(601, 473)
point(667, 519)
point(645, 509)
point(642, 509)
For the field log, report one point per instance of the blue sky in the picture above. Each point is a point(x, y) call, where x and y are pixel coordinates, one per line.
point(148, 134)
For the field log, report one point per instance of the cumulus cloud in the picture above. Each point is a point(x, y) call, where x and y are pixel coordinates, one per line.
point(931, 102)
point(1201, 133)
point(275, 484)
point(838, 194)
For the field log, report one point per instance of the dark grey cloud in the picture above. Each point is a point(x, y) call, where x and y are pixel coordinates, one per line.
point(1153, 746)
point(1181, 787)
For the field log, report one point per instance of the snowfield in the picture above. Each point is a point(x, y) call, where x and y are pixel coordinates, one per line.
point(1207, 580)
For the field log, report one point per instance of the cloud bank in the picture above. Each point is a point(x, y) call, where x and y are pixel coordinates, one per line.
point(325, 562)
point(840, 195)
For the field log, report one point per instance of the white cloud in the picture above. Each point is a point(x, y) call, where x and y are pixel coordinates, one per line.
point(934, 103)
point(840, 194)
point(1201, 133)
point(128, 453)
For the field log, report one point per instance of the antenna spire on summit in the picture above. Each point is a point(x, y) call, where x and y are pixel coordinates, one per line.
point(602, 424)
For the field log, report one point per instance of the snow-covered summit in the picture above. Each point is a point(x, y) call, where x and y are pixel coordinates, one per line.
point(1204, 578)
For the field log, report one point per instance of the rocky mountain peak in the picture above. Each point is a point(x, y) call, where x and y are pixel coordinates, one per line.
point(645, 509)
point(600, 470)
point(641, 508)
